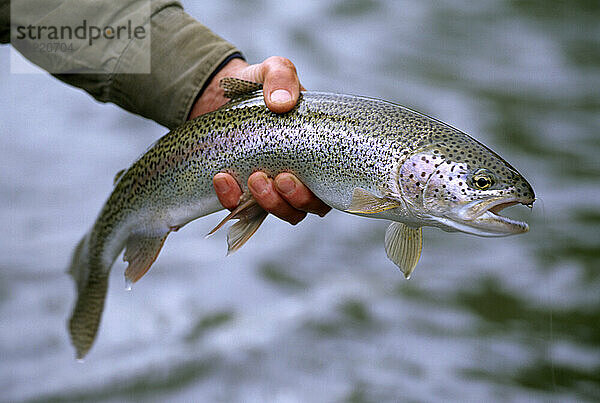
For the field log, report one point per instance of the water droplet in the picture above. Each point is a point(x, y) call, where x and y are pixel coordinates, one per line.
point(80, 360)
point(128, 284)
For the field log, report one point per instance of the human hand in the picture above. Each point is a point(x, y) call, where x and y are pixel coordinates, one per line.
point(281, 86)
point(285, 196)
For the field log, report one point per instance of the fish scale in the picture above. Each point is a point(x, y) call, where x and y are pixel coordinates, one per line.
point(360, 155)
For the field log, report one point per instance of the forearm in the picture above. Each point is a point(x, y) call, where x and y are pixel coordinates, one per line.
point(182, 54)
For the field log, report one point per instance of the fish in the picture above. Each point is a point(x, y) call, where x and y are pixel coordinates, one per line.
point(362, 156)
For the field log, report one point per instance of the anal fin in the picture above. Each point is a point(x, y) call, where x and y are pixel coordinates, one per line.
point(140, 253)
point(403, 246)
point(250, 216)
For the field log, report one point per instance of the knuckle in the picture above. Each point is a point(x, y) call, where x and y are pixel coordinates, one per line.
point(302, 200)
point(296, 219)
point(227, 202)
point(324, 210)
point(269, 201)
point(279, 63)
point(272, 205)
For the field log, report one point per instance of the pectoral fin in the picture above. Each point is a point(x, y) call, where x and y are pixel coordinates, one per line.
point(403, 246)
point(365, 202)
point(250, 216)
point(141, 252)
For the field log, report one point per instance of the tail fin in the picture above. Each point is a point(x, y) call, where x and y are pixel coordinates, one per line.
point(91, 284)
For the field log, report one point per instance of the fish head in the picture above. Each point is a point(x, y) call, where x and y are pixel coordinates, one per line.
point(459, 184)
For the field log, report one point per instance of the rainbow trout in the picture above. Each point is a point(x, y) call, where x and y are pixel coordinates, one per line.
point(359, 155)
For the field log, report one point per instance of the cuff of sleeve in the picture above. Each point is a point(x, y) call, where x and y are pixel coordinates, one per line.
point(184, 56)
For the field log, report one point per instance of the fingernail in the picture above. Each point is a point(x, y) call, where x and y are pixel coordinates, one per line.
point(259, 184)
point(221, 185)
point(285, 185)
point(281, 97)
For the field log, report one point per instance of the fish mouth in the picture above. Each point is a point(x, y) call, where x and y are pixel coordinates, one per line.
point(483, 217)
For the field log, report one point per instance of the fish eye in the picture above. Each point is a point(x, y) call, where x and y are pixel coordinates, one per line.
point(482, 180)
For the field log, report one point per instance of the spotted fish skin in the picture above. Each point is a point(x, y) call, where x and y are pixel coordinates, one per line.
point(360, 155)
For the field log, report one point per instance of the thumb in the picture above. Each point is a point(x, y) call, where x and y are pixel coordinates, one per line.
point(281, 86)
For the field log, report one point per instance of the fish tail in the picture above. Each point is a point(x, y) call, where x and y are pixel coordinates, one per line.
point(91, 283)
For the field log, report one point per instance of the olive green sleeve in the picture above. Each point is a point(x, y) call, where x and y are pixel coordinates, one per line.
point(183, 56)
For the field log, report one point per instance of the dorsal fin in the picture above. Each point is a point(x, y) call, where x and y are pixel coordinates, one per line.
point(118, 176)
point(235, 87)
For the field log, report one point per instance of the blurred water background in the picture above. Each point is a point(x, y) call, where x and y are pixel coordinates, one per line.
point(317, 312)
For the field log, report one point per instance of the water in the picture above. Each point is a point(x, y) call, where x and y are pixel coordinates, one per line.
point(316, 312)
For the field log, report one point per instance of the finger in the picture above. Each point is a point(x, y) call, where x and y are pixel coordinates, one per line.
point(227, 189)
point(281, 86)
point(264, 193)
point(298, 195)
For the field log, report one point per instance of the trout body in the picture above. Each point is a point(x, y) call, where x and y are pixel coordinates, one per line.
point(359, 155)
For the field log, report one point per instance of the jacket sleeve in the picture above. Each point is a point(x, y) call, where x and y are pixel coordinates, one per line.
point(184, 55)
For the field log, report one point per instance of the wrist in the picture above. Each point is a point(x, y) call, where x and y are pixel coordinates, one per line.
point(212, 96)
